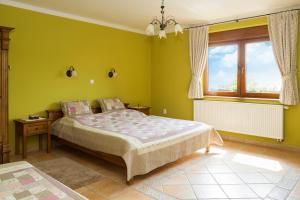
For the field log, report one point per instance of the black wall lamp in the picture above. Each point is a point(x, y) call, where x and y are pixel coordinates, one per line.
point(71, 72)
point(112, 73)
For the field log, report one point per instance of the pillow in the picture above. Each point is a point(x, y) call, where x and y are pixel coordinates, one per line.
point(111, 104)
point(76, 108)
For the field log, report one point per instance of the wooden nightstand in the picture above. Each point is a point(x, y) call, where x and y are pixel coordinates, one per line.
point(28, 128)
point(143, 109)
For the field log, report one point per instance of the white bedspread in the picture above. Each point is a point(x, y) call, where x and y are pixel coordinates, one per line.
point(144, 142)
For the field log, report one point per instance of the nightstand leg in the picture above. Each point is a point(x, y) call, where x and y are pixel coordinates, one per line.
point(17, 146)
point(49, 143)
point(41, 142)
point(24, 146)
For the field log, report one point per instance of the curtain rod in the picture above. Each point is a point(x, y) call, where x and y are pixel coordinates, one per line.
point(237, 20)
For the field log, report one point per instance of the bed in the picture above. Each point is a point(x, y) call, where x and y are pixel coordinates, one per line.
point(20, 180)
point(132, 139)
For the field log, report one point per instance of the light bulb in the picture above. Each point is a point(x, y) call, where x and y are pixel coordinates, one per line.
point(178, 28)
point(74, 73)
point(150, 29)
point(162, 34)
point(115, 74)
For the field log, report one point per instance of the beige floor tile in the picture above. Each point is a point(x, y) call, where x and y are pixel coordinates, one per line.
point(107, 187)
point(214, 161)
point(209, 191)
point(131, 194)
point(198, 168)
point(213, 168)
point(240, 168)
point(253, 178)
point(296, 191)
point(273, 177)
point(198, 179)
point(287, 183)
point(279, 193)
point(262, 190)
point(180, 191)
point(238, 191)
point(158, 187)
point(180, 179)
point(228, 178)
point(252, 199)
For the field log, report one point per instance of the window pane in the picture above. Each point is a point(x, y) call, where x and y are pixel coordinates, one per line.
point(222, 68)
point(262, 72)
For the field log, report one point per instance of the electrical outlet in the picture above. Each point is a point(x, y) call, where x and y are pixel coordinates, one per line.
point(164, 111)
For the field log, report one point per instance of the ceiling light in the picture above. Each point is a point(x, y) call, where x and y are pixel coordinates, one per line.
point(163, 24)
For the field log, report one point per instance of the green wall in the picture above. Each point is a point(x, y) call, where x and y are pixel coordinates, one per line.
point(171, 75)
point(151, 71)
point(43, 46)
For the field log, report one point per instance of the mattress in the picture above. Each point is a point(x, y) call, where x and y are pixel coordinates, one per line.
point(144, 142)
point(20, 180)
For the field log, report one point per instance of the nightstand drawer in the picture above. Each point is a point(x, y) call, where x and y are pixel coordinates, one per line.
point(36, 129)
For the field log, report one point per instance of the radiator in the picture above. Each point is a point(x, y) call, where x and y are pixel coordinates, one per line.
point(263, 120)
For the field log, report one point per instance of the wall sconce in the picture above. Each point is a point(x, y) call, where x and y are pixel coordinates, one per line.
point(71, 72)
point(112, 73)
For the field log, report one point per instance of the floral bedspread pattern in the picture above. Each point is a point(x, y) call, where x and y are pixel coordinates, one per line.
point(136, 124)
point(23, 181)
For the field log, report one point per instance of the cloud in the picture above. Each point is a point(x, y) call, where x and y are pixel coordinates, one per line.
point(230, 60)
point(222, 49)
point(224, 56)
point(220, 74)
point(261, 54)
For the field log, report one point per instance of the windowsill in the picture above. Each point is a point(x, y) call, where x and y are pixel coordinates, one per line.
point(243, 99)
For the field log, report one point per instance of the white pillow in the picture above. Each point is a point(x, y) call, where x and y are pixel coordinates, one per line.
point(111, 104)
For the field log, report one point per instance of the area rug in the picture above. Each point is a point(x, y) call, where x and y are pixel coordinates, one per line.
point(68, 172)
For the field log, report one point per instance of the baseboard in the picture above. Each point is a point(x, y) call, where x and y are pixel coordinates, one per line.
point(263, 144)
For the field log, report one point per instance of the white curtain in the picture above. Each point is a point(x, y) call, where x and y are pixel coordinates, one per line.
point(283, 31)
point(198, 38)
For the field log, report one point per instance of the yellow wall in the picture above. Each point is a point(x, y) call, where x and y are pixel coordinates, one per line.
point(171, 74)
point(151, 71)
point(43, 46)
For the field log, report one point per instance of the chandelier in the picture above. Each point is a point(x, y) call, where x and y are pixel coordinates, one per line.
point(163, 24)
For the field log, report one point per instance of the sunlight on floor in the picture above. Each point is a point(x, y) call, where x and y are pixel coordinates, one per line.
point(218, 152)
point(255, 161)
point(213, 149)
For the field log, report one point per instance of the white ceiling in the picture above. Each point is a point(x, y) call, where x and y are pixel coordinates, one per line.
point(134, 15)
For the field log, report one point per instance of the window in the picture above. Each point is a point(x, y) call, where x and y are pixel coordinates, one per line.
point(223, 68)
point(241, 63)
point(262, 73)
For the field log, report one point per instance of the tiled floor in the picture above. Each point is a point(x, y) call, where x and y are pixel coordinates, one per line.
point(235, 171)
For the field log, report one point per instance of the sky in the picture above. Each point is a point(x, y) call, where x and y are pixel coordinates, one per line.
point(262, 72)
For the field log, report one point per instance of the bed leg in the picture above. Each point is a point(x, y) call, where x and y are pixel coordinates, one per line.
point(207, 149)
point(130, 182)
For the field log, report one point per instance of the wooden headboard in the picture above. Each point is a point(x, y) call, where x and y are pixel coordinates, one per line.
point(55, 114)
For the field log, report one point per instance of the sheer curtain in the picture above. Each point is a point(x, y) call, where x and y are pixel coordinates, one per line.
point(198, 39)
point(283, 31)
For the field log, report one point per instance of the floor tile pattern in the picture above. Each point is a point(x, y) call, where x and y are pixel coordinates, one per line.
point(224, 177)
point(236, 171)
